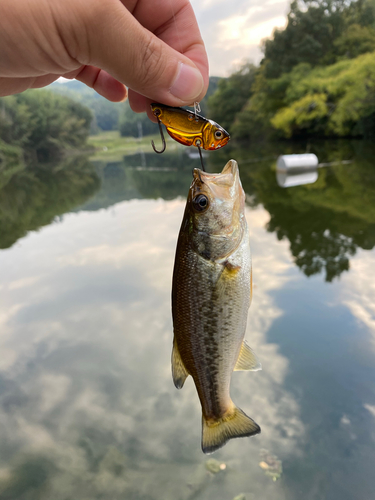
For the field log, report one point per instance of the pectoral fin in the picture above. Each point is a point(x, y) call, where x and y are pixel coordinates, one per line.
point(179, 372)
point(247, 360)
point(229, 271)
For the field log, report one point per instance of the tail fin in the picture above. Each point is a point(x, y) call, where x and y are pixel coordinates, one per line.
point(236, 424)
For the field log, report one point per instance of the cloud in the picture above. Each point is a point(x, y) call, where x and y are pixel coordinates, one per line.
point(233, 34)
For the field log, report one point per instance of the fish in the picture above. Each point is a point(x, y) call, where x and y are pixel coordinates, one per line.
point(211, 295)
point(191, 129)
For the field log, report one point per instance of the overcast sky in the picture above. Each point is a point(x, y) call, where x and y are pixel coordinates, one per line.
point(232, 31)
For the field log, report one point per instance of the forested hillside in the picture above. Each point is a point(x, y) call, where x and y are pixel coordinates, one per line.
point(105, 113)
point(317, 77)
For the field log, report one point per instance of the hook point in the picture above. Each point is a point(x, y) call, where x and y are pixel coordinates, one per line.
point(162, 138)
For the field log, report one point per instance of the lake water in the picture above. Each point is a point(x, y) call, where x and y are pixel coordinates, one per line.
point(88, 409)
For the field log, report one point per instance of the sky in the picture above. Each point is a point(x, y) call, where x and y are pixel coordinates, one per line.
point(233, 31)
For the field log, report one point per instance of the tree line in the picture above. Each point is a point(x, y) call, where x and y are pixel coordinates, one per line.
point(317, 77)
point(40, 125)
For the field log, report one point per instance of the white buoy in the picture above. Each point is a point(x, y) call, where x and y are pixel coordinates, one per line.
point(300, 162)
point(295, 170)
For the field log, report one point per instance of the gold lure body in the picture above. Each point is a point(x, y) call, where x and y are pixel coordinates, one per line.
point(189, 128)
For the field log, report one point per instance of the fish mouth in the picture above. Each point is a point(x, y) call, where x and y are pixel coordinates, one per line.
point(231, 167)
point(212, 184)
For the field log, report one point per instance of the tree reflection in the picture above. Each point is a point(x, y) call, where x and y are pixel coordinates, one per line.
point(143, 175)
point(32, 196)
point(326, 221)
point(313, 243)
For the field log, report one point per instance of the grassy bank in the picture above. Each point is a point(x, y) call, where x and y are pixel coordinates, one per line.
point(111, 146)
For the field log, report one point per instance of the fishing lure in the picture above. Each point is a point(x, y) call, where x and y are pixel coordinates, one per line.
point(189, 128)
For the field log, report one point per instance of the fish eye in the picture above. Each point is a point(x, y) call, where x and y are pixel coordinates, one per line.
point(200, 203)
point(219, 134)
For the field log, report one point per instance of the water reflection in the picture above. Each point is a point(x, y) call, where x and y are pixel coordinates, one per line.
point(87, 405)
point(327, 221)
point(143, 175)
point(324, 222)
point(32, 196)
point(296, 178)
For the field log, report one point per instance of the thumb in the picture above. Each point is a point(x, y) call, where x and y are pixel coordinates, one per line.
point(117, 42)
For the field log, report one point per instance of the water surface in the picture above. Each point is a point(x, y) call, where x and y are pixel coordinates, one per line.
point(88, 409)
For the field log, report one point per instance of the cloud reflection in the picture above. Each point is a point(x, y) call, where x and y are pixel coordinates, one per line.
point(87, 403)
point(359, 293)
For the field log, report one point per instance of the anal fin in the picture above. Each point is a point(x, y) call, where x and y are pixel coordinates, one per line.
point(247, 360)
point(179, 372)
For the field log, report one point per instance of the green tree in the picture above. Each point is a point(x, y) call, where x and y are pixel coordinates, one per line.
point(312, 28)
point(231, 95)
point(355, 40)
point(43, 124)
point(319, 32)
point(105, 113)
point(253, 121)
point(135, 124)
point(333, 100)
point(212, 88)
point(15, 119)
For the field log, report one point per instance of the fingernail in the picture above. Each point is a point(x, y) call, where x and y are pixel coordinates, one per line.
point(188, 84)
point(125, 98)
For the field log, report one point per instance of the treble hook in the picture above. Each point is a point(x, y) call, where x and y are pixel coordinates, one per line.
point(162, 138)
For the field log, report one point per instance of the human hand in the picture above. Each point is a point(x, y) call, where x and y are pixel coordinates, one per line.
point(153, 47)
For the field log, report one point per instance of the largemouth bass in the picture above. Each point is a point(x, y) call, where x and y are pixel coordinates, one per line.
point(211, 296)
